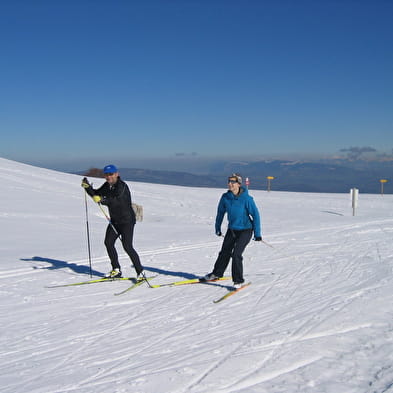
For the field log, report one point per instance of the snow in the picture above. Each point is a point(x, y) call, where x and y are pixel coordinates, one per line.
point(318, 316)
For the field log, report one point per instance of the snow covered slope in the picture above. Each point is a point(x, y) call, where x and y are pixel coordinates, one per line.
point(318, 316)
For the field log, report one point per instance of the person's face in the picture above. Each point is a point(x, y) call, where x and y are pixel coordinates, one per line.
point(233, 185)
point(111, 178)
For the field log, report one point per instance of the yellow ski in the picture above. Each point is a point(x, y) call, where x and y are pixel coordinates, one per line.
point(191, 281)
point(230, 293)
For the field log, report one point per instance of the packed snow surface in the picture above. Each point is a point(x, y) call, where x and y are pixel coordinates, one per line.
point(318, 316)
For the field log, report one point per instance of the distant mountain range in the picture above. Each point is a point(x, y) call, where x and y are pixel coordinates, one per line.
point(337, 176)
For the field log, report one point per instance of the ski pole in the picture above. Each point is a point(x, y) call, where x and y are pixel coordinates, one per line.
point(88, 233)
point(269, 245)
point(109, 220)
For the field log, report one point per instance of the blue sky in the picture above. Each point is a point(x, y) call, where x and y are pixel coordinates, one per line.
point(107, 81)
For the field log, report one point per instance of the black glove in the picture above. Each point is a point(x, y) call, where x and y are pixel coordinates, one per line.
point(219, 233)
point(258, 239)
point(85, 183)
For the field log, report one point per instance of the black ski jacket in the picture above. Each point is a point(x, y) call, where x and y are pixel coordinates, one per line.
point(118, 199)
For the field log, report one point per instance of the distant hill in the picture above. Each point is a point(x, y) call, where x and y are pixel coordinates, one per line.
point(169, 177)
point(163, 177)
point(331, 176)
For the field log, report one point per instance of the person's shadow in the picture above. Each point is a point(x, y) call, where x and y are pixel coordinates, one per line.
point(58, 264)
point(84, 269)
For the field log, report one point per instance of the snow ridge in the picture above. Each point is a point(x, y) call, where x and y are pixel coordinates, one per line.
point(317, 318)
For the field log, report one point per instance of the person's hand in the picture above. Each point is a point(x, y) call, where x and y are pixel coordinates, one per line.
point(219, 233)
point(97, 198)
point(258, 239)
point(85, 183)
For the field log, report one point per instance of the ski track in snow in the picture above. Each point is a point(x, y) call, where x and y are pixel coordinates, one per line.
point(316, 319)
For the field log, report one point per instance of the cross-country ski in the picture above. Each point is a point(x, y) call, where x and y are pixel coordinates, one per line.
point(231, 293)
point(136, 284)
point(190, 281)
point(91, 282)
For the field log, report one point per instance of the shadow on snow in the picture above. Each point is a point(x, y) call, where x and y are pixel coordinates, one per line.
point(84, 269)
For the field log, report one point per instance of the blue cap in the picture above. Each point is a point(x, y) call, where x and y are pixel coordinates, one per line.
point(110, 169)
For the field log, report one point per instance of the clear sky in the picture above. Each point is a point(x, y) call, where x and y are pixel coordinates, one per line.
point(124, 79)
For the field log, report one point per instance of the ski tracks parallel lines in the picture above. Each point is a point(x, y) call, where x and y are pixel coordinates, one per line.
point(120, 364)
point(292, 283)
point(255, 377)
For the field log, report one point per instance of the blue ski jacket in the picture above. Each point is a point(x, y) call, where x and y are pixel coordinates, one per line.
point(241, 210)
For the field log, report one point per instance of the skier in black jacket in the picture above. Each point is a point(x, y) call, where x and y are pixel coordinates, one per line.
point(115, 194)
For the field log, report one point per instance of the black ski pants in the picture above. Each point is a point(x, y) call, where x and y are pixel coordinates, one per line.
point(233, 246)
point(126, 233)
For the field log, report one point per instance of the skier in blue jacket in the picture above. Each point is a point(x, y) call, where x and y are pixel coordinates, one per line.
point(243, 221)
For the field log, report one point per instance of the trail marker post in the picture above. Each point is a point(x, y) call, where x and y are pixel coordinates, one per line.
point(382, 181)
point(269, 179)
point(354, 197)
